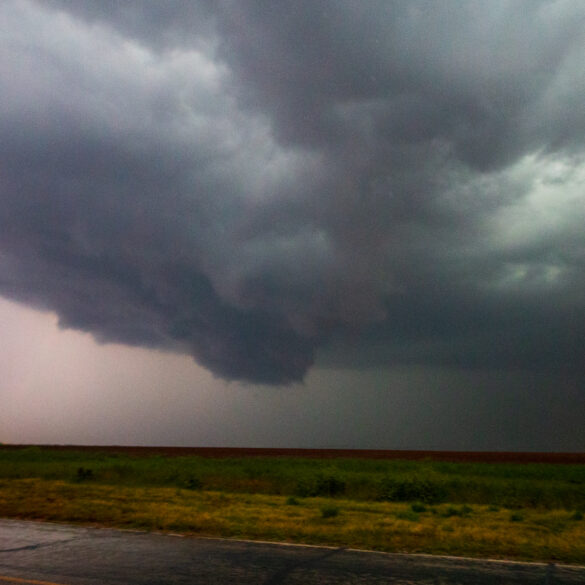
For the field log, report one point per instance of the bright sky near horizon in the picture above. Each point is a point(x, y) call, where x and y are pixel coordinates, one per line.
point(333, 224)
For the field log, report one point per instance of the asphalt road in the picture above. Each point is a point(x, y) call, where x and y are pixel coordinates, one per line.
point(33, 553)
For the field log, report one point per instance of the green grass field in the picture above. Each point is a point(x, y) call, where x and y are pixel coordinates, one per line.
point(520, 511)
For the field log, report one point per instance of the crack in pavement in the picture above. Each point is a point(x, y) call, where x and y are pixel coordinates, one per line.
point(19, 580)
point(37, 546)
point(279, 577)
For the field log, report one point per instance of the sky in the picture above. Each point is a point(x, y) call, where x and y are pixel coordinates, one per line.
point(306, 224)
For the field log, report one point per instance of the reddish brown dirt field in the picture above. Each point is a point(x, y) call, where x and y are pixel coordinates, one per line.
point(235, 452)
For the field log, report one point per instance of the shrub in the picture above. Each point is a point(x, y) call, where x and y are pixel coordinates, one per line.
point(303, 489)
point(320, 485)
point(466, 510)
point(330, 485)
point(292, 501)
point(119, 472)
point(329, 511)
point(463, 512)
point(450, 511)
point(84, 474)
point(193, 483)
point(410, 515)
point(412, 489)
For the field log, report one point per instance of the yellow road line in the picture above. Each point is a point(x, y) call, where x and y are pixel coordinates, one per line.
point(26, 581)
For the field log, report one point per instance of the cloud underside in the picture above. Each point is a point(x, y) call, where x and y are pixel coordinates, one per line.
point(265, 186)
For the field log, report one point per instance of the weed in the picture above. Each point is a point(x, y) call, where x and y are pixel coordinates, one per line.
point(419, 508)
point(292, 501)
point(578, 515)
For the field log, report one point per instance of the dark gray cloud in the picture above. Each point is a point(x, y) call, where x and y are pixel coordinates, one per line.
point(263, 185)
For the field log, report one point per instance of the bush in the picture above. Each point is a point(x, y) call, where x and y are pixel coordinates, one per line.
point(466, 510)
point(328, 485)
point(292, 501)
point(329, 511)
point(450, 511)
point(409, 515)
point(304, 489)
point(84, 474)
point(463, 512)
point(412, 490)
point(193, 483)
point(516, 517)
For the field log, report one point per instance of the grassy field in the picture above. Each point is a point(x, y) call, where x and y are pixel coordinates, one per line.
point(527, 511)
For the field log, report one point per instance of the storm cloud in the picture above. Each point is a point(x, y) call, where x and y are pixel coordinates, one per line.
point(268, 185)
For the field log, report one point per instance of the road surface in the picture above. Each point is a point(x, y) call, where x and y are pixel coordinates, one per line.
point(33, 553)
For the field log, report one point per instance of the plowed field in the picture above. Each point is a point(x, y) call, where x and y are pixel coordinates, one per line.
point(236, 452)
